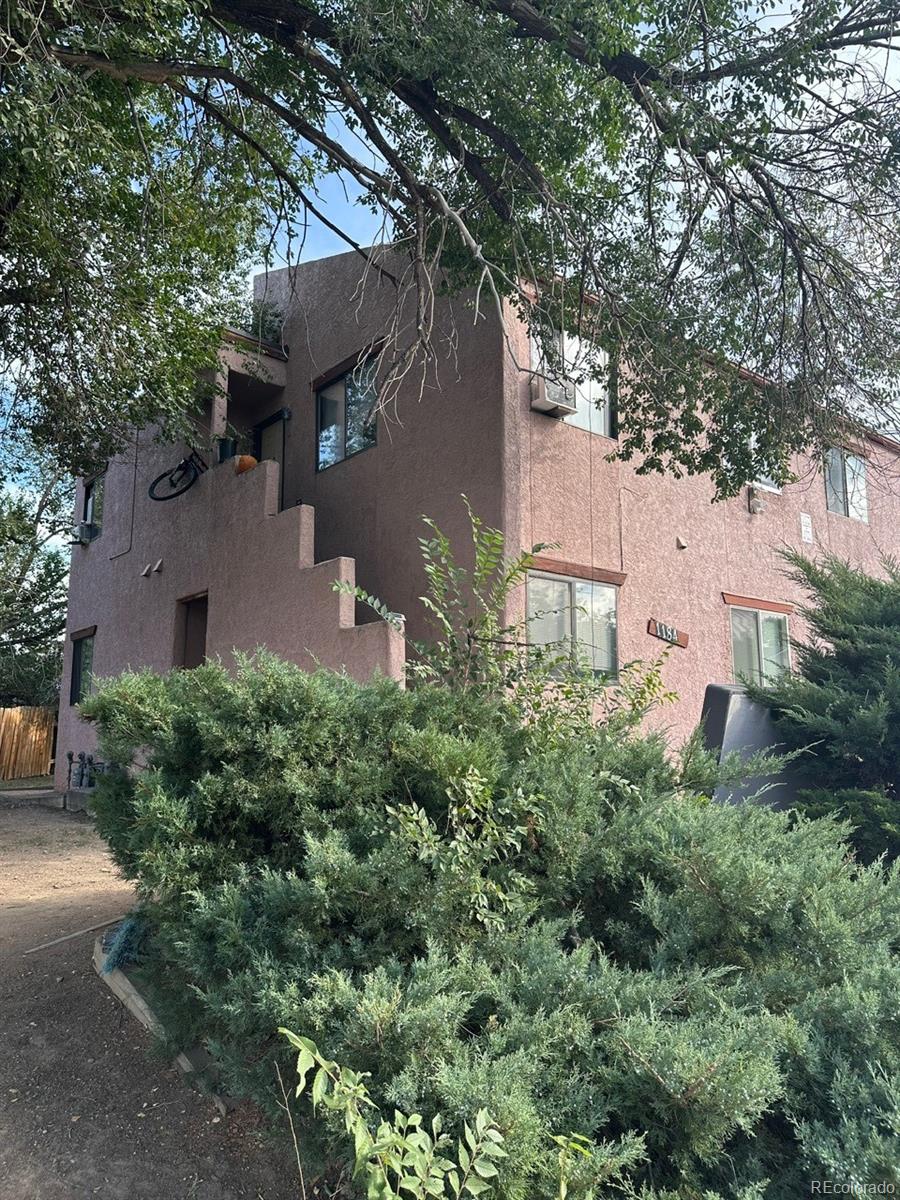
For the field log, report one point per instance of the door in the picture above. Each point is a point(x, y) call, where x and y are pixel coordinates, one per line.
point(191, 642)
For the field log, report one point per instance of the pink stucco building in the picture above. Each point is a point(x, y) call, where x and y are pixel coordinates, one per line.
point(242, 560)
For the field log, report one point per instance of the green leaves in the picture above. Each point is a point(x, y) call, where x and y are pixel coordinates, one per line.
point(400, 1159)
point(123, 234)
point(841, 711)
point(726, 185)
point(528, 935)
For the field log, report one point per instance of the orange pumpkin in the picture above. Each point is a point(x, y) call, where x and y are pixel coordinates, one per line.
point(243, 462)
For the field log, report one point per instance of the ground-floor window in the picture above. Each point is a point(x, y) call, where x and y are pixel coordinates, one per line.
point(577, 614)
point(760, 644)
point(82, 665)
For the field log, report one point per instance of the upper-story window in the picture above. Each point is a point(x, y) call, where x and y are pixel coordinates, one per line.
point(845, 484)
point(344, 415)
point(760, 645)
point(594, 400)
point(576, 615)
point(92, 508)
point(762, 480)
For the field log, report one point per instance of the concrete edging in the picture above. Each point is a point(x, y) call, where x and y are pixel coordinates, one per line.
point(190, 1062)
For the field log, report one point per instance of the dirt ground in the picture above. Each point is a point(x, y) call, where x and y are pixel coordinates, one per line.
point(86, 1108)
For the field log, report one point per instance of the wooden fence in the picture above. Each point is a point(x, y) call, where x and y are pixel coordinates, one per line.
point(26, 742)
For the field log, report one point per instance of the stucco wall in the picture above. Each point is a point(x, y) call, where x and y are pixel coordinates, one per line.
point(467, 428)
point(442, 437)
point(224, 537)
point(560, 488)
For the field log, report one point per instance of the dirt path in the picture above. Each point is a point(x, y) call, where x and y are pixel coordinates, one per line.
point(86, 1108)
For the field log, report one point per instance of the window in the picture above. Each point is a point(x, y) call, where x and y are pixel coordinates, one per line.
point(343, 407)
point(759, 644)
point(595, 401)
point(269, 438)
point(82, 665)
point(577, 613)
point(92, 510)
point(767, 482)
point(845, 484)
point(763, 480)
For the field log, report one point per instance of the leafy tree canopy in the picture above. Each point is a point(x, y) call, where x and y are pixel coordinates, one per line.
point(35, 511)
point(702, 187)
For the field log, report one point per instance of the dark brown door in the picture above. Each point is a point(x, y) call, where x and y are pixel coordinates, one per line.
point(193, 626)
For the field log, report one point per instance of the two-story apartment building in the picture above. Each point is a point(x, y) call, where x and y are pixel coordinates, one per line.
point(240, 560)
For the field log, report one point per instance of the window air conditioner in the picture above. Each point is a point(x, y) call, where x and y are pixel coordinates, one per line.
point(554, 399)
point(756, 501)
point(83, 533)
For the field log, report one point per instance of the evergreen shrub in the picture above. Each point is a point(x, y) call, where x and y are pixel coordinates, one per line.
point(545, 921)
point(843, 703)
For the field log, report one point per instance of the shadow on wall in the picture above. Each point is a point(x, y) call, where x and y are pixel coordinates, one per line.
point(733, 722)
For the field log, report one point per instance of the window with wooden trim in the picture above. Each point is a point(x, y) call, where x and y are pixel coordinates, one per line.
point(576, 616)
point(345, 420)
point(845, 484)
point(760, 645)
point(82, 666)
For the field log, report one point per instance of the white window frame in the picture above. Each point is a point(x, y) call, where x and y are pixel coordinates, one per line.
point(758, 613)
point(765, 484)
point(844, 510)
point(570, 348)
point(572, 608)
point(94, 486)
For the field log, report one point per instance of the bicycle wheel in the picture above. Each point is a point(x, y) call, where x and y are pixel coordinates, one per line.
point(175, 482)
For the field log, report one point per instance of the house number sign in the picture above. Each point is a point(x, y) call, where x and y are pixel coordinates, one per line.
point(667, 633)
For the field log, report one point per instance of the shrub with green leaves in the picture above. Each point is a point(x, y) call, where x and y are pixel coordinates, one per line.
point(401, 1160)
point(474, 911)
point(843, 704)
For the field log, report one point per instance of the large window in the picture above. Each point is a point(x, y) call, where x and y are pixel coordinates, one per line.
point(574, 615)
point(82, 665)
point(594, 400)
point(845, 484)
point(345, 426)
point(92, 509)
point(760, 644)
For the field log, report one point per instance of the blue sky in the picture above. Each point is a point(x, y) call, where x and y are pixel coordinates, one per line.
point(336, 195)
point(335, 198)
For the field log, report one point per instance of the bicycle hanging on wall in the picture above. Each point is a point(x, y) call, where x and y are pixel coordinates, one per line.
point(176, 481)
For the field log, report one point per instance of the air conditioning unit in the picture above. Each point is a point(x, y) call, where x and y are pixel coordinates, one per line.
point(756, 501)
point(84, 532)
point(554, 399)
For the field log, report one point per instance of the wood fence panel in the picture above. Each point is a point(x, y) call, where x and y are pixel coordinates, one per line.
point(26, 741)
